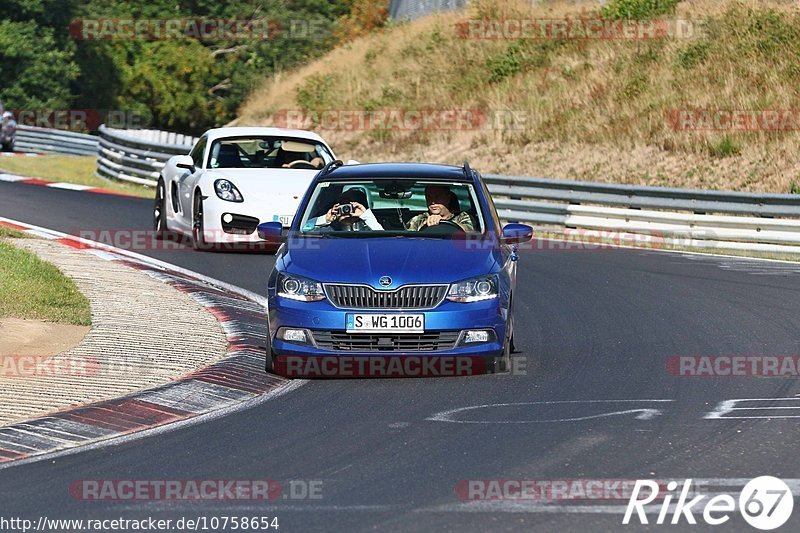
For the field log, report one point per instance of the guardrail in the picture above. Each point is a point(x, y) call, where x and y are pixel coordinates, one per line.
point(50, 141)
point(138, 156)
point(684, 217)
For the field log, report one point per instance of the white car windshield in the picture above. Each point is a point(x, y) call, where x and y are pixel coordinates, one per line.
point(268, 152)
point(391, 206)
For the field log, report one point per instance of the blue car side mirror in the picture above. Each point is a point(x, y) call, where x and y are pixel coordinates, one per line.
point(270, 231)
point(517, 233)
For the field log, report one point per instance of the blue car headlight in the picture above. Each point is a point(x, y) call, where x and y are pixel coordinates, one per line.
point(227, 191)
point(473, 289)
point(299, 288)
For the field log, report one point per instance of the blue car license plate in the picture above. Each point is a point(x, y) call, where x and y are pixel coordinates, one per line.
point(385, 323)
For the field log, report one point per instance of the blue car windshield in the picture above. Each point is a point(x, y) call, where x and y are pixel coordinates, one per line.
point(392, 207)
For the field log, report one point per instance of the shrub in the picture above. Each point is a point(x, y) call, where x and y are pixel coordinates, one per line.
point(316, 93)
point(637, 9)
point(726, 147)
point(694, 54)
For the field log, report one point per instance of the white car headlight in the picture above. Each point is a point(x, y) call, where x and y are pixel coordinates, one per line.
point(299, 288)
point(227, 191)
point(473, 289)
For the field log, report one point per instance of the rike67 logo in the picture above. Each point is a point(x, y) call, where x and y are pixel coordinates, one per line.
point(765, 503)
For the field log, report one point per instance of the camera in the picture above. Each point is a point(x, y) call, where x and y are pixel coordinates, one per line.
point(344, 209)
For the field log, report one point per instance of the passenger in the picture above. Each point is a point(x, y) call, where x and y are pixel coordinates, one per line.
point(360, 217)
point(442, 205)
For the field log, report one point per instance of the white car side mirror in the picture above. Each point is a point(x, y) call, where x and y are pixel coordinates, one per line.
point(185, 161)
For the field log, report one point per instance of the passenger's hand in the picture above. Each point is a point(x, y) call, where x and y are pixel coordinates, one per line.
point(330, 216)
point(358, 209)
point(433, 220)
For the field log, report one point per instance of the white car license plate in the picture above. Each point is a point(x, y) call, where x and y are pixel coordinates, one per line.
point(376, 323)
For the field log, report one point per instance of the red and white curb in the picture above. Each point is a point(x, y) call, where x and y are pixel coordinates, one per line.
point(235, 380)
point(13, 178)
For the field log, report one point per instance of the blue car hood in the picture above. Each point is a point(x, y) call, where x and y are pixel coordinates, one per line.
point(405, 260)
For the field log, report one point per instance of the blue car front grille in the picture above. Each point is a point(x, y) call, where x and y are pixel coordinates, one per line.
point(389, 342)
point(365, 297)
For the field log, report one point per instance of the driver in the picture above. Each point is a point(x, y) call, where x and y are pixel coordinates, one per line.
point(360, 218)
point(442, 205)
point(316, 162)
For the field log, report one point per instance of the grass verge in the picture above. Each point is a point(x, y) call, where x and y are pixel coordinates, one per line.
point(5, 231)
point(34, 289)
point(79, 170)
point(640, 111)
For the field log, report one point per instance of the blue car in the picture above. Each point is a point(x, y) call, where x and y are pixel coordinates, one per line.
point(393, 269)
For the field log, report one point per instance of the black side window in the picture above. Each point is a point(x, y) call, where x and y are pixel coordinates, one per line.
point(197, 152)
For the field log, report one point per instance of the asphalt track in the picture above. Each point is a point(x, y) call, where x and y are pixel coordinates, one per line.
point(591, 325)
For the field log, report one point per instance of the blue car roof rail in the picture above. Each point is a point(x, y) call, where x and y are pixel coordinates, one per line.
point(330, 167)
point(468, 171)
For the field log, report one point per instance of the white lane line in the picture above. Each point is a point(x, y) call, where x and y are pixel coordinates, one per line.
point(69, 186)
point(11, 177)
point(42, 234)
point(643, 413)
point(723, 408)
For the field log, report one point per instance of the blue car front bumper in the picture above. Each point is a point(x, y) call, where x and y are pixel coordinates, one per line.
point(449, 319)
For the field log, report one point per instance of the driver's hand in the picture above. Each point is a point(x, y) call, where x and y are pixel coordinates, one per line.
point(330, 216)
point(433, 220)
point(358, 209)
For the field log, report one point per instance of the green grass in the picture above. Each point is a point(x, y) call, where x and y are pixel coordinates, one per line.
point(8, 232)
point(79, 170)
point(638, 9)
point(33, 289)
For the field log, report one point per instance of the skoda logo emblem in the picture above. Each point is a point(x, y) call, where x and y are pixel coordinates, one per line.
point(385, 281)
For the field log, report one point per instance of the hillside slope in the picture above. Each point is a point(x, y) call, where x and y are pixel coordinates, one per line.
point(621, 110)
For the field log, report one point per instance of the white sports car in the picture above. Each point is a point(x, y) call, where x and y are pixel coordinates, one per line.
point(234, 179)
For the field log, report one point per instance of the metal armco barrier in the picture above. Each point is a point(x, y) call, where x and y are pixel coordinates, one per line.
point(411, 9)
point(683, 217)
point(138, 156)
point(49, 141)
